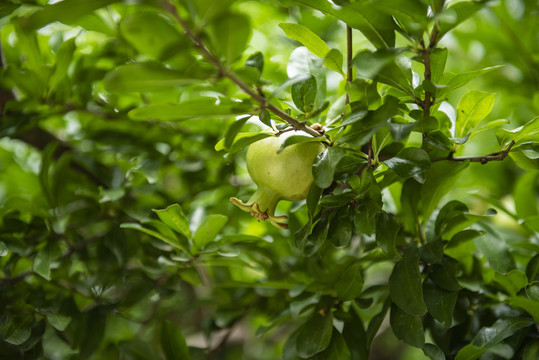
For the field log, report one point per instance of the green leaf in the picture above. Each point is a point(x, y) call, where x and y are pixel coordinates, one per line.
point(455, 81)
point(400, 128)
point(256, 61)
point(490, 125)
point(94, 332)
point(42, 262)
point(19, 335)
point(440, 303)
point(325, 165)
point(175, 219)
point(377, 26)
point(473, 107)
point(386, 233)
point(208, 230)
point(298, 139)
point(304, 94)
point(530, 306)
point(152, 34)
point(406, 327)
point(532, 268)
point(355, 337)
point(405, 283)
point(433, 352)
point(307, 38)
point(525, 195)
point(232, 32)
point(350, 284)
point(470, 352)
point(440, 179)
point(315, 335)
point(438, 58)
point(3, 249)
point(67, 12)
point(200, 108)
point(58, 321)
point(241, 141)
point(499, 331)
point(370, 63)
point(360, 132)
point(233, 130)
point(495, 249)
point(398, 74)
point(144, 77)
point(169, 240)
point(337, 349)
point(173, 343)
point(376, 322)
point(334, 61)
point(340, 231)
point(456, 14)
point(137, 350)
point(512, 282)
point(63, 61)
point(410, 162)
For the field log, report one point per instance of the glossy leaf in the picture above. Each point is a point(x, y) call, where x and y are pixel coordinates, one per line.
point(144, 77)
point(405, 283)
point(325, 165)
point(337, 349)
point(304, 94)
point(232, 32)
point(152, 34)
point(410, 162)
point(375, 25)
point(440, 179)
point(208, 230)
point(406, 327)
point(386, 233)
point(306, 37)
point(67, 11)
point(334, 61)
point(472, 108)
point(350, 284)
point(315, 335)
point(440, 303)
point(173, 342)
point(175, 219)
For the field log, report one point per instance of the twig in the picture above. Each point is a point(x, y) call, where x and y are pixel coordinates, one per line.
point(230, 75)
point(495, 156)
point(349, 51)
point(426, 51)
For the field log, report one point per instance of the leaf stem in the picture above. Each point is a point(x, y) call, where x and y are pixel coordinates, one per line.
point(299, 125)
point(483, 159)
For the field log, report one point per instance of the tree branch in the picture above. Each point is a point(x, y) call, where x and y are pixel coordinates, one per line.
point(349, 51)
point(495, 156)
point(230, 75)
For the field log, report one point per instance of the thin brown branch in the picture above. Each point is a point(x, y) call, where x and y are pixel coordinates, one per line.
point(483, 159)
point(369, 152)
point(299, 125)
point(349, 52)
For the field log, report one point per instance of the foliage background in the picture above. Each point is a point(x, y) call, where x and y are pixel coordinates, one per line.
point(88, 270)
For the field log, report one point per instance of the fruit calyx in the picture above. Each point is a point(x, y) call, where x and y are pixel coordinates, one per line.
point(262, 206)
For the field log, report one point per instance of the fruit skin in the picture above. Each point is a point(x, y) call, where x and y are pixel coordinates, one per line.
point(280, 176)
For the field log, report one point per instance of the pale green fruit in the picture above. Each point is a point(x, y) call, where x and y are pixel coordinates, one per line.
point(280, 176)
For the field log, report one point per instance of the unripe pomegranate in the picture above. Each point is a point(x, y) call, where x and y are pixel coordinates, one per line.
point(280, 176)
